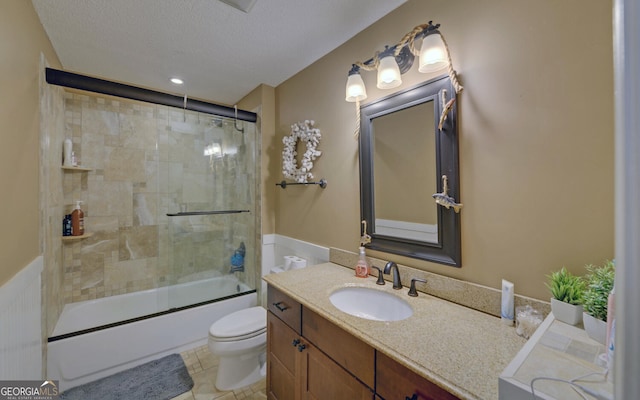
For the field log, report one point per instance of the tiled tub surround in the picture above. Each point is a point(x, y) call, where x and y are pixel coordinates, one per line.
point(457, 348)
point(52, 127)
point(148, 160)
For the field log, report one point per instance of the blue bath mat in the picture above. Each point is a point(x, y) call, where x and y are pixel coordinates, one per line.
point(160, 379)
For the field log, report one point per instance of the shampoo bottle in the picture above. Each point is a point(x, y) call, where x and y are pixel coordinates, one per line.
point(67, 230)
point(362, 267)
point(77, 220)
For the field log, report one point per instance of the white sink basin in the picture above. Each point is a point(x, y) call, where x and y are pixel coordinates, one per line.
point(370, 304)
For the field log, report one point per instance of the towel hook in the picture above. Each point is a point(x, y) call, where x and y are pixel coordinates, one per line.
point(365, 238)
point(184, 109)
point(235, 123)
point(444, 199)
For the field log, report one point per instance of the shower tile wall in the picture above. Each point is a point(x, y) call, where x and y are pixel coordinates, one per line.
point(148, 161)
point(51, 200)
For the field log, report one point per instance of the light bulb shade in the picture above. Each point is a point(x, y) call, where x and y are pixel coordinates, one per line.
point(433, 56)
point(388, 73)
point(355, 88)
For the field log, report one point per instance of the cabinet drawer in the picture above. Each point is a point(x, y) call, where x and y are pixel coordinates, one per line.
point(349, 352)
point(285, 308)
point(395, 382)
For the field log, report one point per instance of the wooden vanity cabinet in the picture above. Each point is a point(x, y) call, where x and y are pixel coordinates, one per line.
point(347, 351)
point(298, 368)
point(283, 336)
point(322, 378)
point(309, 357)
point(396, 382)
point(282, 360)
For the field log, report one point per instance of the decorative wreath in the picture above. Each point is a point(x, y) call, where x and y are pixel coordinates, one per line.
point(311, 137)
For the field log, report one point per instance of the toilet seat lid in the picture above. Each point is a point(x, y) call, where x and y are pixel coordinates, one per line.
point(240, 323)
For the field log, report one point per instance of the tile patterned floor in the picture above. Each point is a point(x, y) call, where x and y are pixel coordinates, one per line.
point(202, 367)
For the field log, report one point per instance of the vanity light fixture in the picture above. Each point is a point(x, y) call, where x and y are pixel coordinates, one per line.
point(388, 70)
point(355, 86)
point(394, 61)
point(432, 54)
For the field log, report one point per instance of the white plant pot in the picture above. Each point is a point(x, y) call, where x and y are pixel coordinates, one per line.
point(596, 328)
point(565, 312)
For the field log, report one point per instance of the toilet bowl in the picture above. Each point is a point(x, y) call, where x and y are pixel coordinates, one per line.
point(240, 341)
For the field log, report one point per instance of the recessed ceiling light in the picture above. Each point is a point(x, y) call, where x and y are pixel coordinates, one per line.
point(177, 81)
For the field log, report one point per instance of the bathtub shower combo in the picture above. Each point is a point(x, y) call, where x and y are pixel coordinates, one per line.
point(171, 205)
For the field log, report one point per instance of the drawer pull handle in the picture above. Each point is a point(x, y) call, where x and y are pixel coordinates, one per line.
point(295, 342)
point(280, 307)
point(301, 347)
point(414, 397)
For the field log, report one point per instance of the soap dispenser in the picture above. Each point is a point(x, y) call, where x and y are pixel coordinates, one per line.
point(77, 220)
point(362, 267)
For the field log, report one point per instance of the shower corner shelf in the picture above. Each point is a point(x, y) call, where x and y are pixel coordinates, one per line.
point(68, 168)
point(72, 238)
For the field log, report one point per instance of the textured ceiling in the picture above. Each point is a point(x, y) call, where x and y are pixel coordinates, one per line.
point(220, 52)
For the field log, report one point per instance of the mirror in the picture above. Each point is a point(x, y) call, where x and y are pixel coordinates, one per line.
point(399, 162)
point(403, 157)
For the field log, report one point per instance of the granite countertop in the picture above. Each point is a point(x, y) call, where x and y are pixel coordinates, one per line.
point(457, 348)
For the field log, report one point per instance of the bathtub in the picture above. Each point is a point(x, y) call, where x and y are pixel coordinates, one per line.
point(131, 329)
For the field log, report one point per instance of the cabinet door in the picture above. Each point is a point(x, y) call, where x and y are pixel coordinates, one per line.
point(396, 382)
point(282, 357)
point(323, 379)
point(342, 347)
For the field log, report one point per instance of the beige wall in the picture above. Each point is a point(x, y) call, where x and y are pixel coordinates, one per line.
point(264, 97)
point(22, 39)
point(535, 134)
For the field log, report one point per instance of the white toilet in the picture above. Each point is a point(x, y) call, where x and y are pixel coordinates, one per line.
point(240, 341)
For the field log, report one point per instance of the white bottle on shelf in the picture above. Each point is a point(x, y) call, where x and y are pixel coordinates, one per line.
point(68, 149)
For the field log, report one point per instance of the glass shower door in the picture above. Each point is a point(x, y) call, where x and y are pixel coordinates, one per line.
point(211, 199)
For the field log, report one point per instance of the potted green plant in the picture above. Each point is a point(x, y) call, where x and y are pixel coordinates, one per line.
point(567, 291)
point(599, 284)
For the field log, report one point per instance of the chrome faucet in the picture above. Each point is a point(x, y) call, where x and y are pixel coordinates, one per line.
point(396, 275)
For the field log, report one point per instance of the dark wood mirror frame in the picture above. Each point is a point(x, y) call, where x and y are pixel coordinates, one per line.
point(447, 250)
